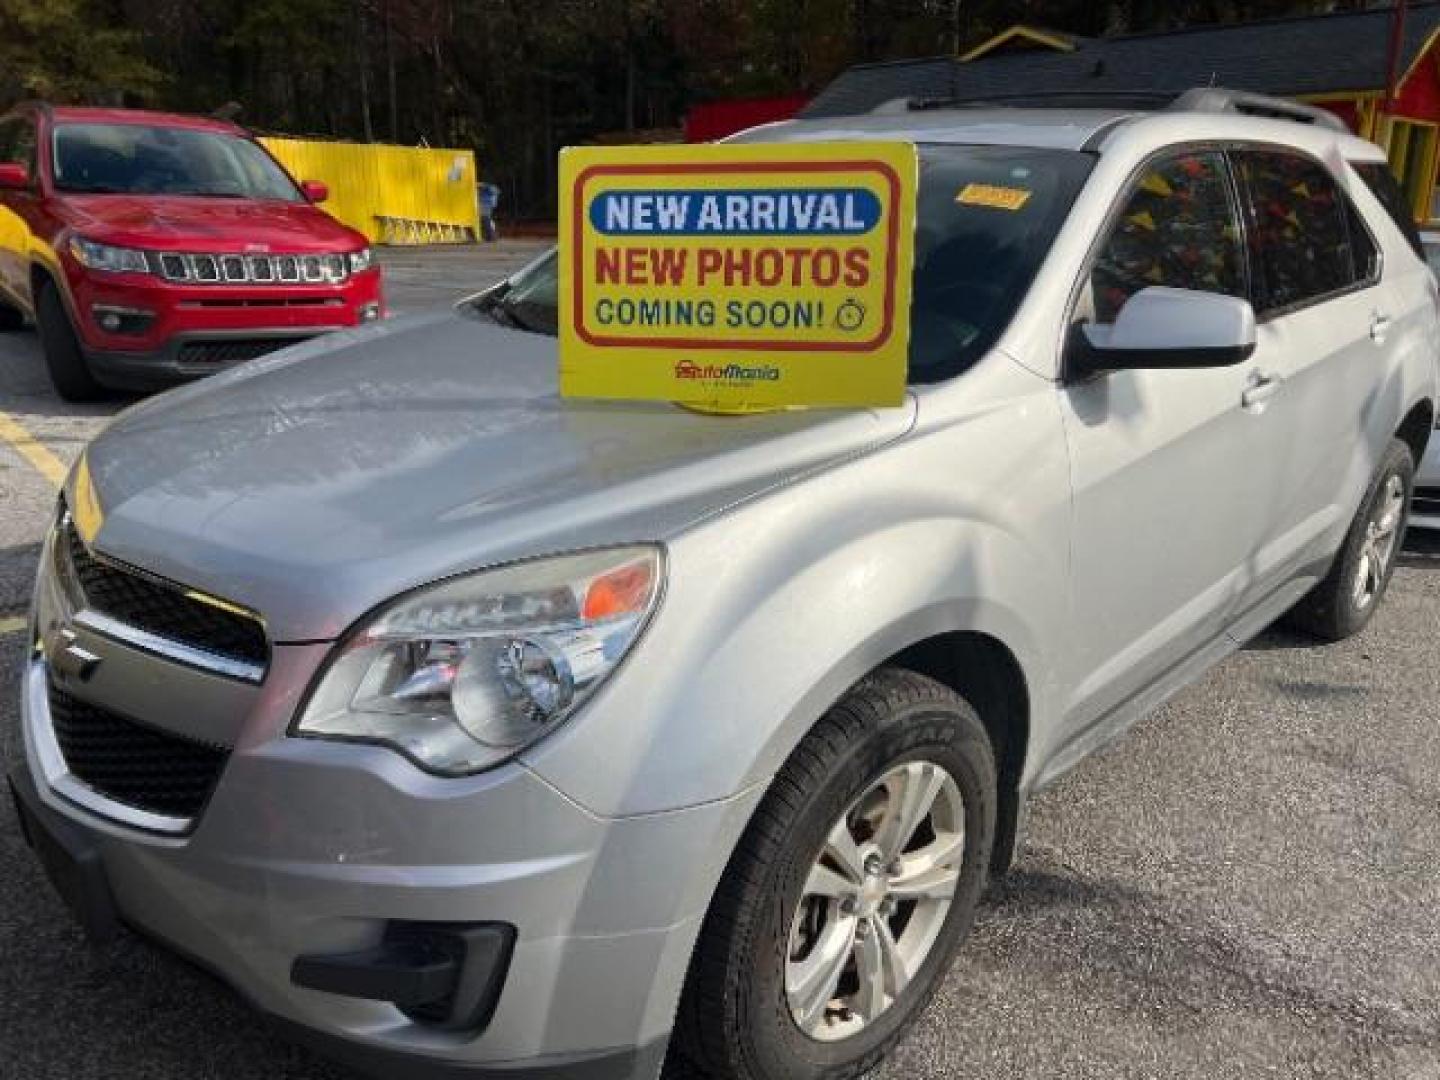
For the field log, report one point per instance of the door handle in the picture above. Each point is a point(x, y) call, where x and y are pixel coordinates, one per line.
point(1379, 327)
point(1261, 389)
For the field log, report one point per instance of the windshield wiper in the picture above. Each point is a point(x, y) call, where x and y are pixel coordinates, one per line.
point(92, 189)
point(499, 307)
point(505, 315)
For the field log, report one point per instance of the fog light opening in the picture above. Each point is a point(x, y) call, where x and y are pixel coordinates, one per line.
point(114, 319)
point(442, 975)
point(369, 312)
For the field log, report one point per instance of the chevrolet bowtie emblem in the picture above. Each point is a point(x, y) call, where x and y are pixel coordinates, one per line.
point(69, 660)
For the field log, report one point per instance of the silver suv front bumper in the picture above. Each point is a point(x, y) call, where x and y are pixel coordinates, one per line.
point(308, 848)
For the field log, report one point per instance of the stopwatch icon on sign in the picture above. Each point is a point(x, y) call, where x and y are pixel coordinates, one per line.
point(851, 315)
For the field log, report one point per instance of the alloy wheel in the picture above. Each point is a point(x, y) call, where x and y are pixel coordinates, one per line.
point(1382, 537)
point(875, 900)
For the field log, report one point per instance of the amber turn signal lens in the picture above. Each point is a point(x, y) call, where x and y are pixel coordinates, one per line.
point(620, 592)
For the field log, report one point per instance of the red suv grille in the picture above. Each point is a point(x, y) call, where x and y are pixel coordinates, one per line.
point(223, 353)
point(231, 269)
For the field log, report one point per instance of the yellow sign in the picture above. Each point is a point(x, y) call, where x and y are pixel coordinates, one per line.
point(737, 277)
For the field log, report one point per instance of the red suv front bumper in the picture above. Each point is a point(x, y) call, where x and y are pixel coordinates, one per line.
point(171, 332)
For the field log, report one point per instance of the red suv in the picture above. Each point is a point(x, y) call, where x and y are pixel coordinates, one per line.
point(151, 248)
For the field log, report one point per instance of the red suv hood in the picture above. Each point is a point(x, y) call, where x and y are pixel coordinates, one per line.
point(195, 223)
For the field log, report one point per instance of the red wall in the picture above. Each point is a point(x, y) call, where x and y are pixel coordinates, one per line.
point(1346, 110)
point(1419, 96)
point(716, 119)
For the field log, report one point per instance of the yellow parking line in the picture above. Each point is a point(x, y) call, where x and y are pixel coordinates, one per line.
point(11, 625)
point(32, 450)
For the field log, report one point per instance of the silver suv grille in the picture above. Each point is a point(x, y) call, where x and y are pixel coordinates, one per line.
point(133, 763)
point(157, 615)
point(233, 269)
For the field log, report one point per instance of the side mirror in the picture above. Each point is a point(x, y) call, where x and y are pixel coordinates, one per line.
point(314, 191)
point(1160, 327)
point(14, 177)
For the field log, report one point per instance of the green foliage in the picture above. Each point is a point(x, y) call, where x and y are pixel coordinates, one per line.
point(70, 50)
point(515, 79)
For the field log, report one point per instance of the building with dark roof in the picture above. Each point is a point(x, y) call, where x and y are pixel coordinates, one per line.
point(1340, 61)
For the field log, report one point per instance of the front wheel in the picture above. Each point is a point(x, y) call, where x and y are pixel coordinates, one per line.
point(853, 885)
point(10, 317)
point(64, 358)
point(1343, 602)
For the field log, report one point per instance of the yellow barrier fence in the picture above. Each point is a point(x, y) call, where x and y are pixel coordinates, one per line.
point(392, 194)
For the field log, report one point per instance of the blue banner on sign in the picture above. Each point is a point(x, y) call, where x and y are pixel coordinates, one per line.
point(748, 212)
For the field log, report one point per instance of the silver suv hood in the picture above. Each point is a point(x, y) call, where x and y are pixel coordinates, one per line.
point(320, 482)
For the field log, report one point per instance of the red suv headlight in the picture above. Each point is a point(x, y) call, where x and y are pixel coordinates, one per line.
point(94, 255)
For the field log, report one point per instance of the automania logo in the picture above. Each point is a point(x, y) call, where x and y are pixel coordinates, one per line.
point(688, 369)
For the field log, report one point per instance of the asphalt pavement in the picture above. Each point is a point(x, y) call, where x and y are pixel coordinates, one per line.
point(1247, 886)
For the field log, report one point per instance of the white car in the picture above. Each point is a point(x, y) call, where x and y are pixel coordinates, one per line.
point(473, 732)
point(1425, 506)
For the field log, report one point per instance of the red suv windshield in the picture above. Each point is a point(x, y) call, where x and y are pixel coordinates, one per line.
point(137, 159)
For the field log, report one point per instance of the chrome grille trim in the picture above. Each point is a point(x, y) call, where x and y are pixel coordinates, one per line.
point(202, 268)
point(168, 648)
point(82, 613)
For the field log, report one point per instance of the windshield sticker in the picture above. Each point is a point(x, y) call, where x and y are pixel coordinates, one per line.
point(993, 196)
point(737, 277)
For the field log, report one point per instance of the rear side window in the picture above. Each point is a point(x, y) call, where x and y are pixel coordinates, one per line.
point(1432, 256)
point(1362, 244)
point(1383, 185)
point(1299, 235)
point(1178, 229)
point(17, 144)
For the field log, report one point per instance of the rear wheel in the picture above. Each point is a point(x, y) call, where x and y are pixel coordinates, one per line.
point(1344, 601)
point(63, 356)
point(853, 886)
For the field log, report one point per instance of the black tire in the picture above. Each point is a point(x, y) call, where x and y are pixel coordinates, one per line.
point(69, 372)
point(10, 318)
point(1332, 611)
point(734, 1019)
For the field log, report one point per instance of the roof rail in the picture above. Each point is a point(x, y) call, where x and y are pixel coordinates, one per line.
point(1040, 99)
point(1206, 99)
point(38, 104)
point(1214, 99)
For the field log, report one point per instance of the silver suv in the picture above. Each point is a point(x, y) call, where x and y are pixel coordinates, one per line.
point(467, 729)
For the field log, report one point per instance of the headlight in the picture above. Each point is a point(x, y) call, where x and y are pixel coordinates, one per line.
point(360, 260)
point(96, 256)
point(464, 675)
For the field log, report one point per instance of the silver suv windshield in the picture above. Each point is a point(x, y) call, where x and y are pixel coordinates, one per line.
point(144, 159)
point(975, 254)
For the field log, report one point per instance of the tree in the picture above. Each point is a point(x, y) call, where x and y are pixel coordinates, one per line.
point(515, 80)
point(70, 50)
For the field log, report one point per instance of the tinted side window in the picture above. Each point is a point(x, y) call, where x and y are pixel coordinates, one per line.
point(1432, 256)
point(17, 144)
point(1383, 185)
point(1362, 245)
point(1299, 237)
point(1178, 229)
point(24, 150)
